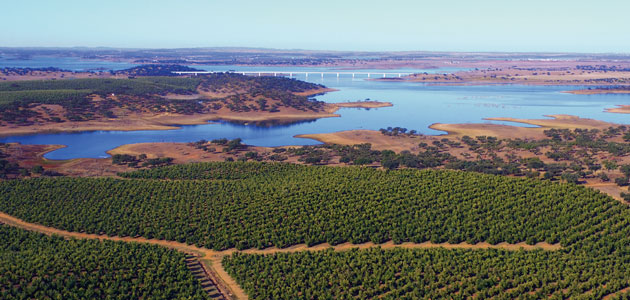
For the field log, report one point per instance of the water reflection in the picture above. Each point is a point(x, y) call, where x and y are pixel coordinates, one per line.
point(267, 124)
point(416, 106)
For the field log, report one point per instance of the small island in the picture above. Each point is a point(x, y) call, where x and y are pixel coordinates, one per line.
point(620, 109)
point(623, 89)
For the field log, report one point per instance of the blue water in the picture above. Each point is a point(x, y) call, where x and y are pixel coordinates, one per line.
point(416, 106)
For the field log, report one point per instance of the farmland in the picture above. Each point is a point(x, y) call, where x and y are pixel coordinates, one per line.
point(234, 206)
point(36, 266)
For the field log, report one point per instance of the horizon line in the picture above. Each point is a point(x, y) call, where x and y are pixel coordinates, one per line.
point(304, 50)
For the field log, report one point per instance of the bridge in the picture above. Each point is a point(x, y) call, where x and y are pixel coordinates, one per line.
point(305, 73)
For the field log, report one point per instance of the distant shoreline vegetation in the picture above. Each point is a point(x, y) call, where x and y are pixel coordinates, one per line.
point(85, 99)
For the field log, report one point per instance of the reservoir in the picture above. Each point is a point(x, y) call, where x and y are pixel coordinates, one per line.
point(416, 106)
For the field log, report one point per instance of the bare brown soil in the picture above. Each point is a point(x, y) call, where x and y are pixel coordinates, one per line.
point(400, 143)
point(612, 295)
point(165, 121)
point(377, 139)
point(506, 131)
point(485, 70)
point(484, 129)
point(363, 104)
point(411, 143)
point(316, 92)
point(182, 152)
point(291, 114)
point(30, 155)
point(609, 188)
point(518, 74)
point(131, 121)
point(598, 91)
point(620, 109)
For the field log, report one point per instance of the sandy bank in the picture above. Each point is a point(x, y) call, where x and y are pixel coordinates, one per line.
point(380, 141)
point(180, 152)
point(364, 104)
point(610, 188)
point(620, 109)
point(597, 91)
point(170, 121)
point(512, 132)
point(316, 92)
point(376, 138)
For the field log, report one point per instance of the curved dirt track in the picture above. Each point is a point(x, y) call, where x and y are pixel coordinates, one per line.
point(226, 283)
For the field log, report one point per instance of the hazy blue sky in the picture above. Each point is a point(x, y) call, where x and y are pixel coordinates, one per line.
point(481, 25)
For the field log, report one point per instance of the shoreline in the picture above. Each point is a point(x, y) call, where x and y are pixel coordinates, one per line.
point(173, 121)
point(316, 91)
point(597, 91)
point(186, 152)
point(380, 141)
point(620, 109)
point(511, 131)
point(362, 104)
point(373, 137)
point(499, 82)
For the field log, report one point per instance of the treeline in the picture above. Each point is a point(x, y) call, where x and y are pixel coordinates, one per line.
point(396, 131)
point(104, 86)
point(575, 154)
point(18, 98)
point(218, 170)
point(12, 170)
point(604, 68)
point(313, 205)
point(614, 87)
point(87, 99)
point(15, 105)
point(428, 274)
point(155, 70)
point(9, 170)
point(264, 93)
point(140, 161)
point(37, 266)
point(25, 71)
point(233, 81)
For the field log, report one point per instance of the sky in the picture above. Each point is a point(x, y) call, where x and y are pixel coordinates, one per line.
point(367, 25)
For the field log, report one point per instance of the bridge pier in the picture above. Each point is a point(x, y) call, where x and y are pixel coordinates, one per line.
point(322, 74)
point(353, 75)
